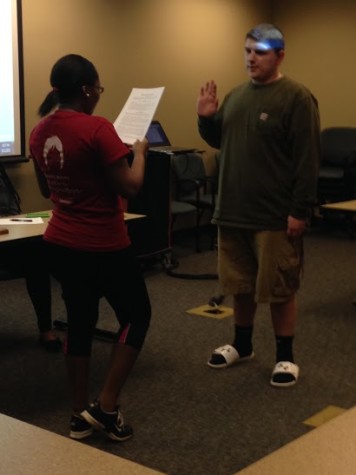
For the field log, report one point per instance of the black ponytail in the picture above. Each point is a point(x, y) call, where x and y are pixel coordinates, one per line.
point(50, 102)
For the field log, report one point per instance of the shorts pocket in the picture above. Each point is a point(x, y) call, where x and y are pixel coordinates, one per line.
point(287, 280)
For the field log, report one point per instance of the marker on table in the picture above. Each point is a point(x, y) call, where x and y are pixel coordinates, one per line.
point(21, 220)
point(39, 214)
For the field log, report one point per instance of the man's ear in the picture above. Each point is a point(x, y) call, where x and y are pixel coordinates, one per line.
point(281, 54)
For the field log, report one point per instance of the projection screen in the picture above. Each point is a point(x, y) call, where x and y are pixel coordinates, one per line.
point(12, 134)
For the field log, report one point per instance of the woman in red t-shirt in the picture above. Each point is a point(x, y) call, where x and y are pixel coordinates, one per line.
point(82, 165)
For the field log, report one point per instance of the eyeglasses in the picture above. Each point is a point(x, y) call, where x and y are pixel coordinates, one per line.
point(100, 89)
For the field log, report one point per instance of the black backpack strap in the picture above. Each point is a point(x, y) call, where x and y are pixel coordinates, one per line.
point(10, 201)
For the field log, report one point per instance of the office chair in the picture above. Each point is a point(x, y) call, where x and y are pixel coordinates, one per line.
point(194, 191)
point(178, 208)
point(337, 172)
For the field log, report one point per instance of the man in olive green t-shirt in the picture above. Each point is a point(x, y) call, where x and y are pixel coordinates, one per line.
point(268, 134)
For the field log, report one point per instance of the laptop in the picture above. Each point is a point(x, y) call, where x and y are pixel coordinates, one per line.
point(159, 142)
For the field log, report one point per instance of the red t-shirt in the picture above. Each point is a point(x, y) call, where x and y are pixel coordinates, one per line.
point(73, 150)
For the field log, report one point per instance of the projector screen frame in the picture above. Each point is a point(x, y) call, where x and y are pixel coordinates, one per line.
point(21, 156)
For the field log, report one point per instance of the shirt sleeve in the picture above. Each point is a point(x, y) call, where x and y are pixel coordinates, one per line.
point(210, 130)
point(108, 144)
point(306, 147)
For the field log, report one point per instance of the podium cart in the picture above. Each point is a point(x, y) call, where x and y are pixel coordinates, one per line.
point(151, 236)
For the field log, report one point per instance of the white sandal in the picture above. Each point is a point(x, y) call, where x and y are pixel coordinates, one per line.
point(284, 368)
point(229, 354)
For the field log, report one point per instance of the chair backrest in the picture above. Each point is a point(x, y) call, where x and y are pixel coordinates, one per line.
point(188, 171)
point(338, 145)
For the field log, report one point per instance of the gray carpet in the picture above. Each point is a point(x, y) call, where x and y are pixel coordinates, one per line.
point(190, 419)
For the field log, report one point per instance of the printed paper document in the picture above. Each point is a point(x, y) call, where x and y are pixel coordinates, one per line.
point(133, 121)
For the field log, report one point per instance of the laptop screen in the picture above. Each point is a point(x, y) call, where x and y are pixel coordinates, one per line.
point(156, 136)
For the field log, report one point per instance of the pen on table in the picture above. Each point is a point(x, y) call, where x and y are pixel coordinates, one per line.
point(21, 220)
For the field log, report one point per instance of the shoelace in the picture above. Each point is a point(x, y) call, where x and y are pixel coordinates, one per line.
point(120, 419)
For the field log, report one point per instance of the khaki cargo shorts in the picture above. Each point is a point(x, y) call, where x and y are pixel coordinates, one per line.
point(264, 263)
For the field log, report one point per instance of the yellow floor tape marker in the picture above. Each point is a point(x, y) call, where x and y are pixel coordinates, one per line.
point(324, 416)
point(212, 312)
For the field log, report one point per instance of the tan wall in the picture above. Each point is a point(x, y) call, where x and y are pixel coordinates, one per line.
point(143, 43)
point(320, 43)
point(180, 44)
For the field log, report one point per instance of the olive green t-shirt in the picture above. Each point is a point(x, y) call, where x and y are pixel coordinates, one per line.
point(269, 141)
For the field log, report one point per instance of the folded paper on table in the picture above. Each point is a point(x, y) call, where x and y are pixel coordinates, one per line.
point(20, 220)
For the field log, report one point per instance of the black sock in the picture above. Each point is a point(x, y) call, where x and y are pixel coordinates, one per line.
point(284, 348)
point(243, 340)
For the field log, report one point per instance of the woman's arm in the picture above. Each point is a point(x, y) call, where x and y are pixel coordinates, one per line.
point(126, 178)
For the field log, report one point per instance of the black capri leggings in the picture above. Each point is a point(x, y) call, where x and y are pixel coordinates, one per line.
point(85, 278)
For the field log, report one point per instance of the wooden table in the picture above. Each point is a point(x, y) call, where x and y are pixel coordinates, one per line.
point(28, 230)
point(326, 450)
point(27, 449)
point(348, 208)
point(18, 232)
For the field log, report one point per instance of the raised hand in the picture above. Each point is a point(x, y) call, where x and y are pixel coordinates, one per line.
point(207, 104)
